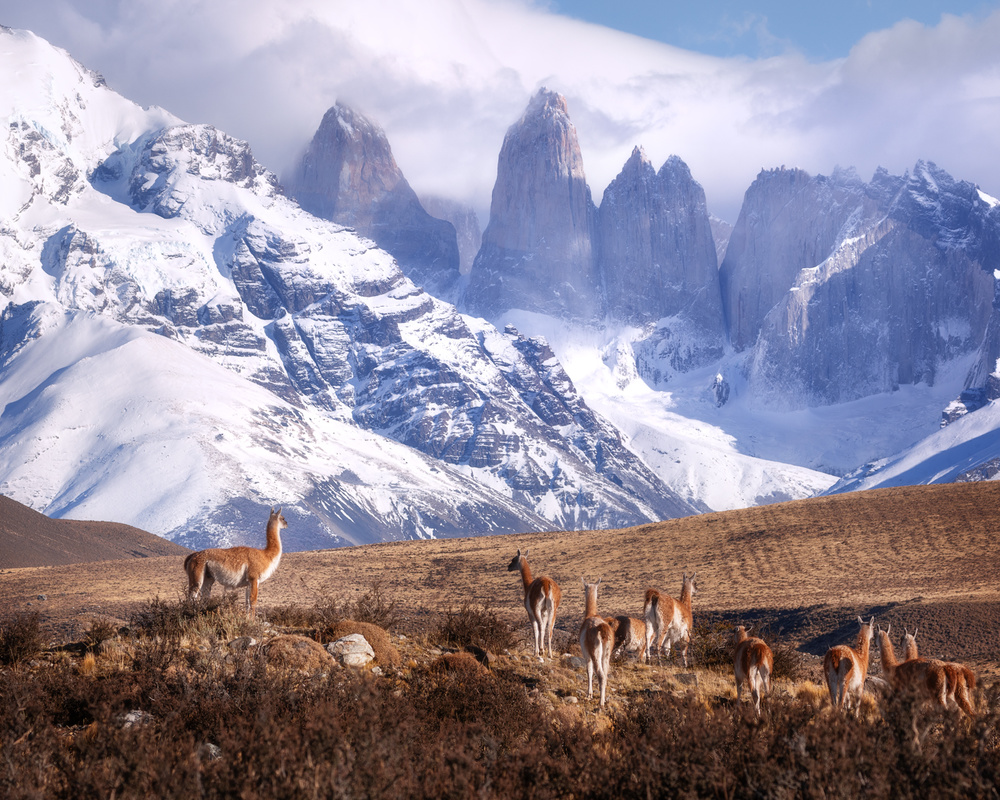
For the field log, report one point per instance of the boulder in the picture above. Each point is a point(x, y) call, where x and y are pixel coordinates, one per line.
point(352, 650)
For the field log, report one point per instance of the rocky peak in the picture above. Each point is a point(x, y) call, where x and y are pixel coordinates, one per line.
point(657, 253)
point(537, 251)
point(348, 175)
point(789, 221)
point(861, 288)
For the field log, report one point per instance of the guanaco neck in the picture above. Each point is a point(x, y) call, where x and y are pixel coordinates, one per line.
point(887, 653)
point(590, 609)
point(525, 574)
point(685, 601)
point(274, 536)
point(864, 646)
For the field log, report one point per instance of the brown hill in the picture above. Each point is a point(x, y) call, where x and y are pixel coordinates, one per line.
point(913, 556)
point(31, 539)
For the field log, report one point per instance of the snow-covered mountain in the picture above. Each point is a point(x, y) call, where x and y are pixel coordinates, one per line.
point(183, 346)
point(844, 317)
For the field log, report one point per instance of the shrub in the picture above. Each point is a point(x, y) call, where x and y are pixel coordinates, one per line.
point(476, 626)
point(20, 637)
point(101, 629)
point(375, 607)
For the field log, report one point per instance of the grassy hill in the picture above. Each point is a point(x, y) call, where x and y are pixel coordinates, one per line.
point(919, 556)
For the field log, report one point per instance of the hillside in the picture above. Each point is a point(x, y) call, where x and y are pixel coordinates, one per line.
point(30, 539)
point(913, 556)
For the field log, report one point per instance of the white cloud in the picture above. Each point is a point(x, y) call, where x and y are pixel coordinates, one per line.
point(445, 78)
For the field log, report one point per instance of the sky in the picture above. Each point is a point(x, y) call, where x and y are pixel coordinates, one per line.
point(731, 88)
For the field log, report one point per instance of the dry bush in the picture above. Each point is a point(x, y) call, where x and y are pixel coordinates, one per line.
point(20, 637)
point(294, 616)
point(297, 653)
point(375, 607)
point(476, 626)
point(472, 735)
point(386, 653)
point(100, 630)
point(711, 646)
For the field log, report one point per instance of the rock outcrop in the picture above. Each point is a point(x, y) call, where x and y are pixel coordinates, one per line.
point(538, 252)
point(658, 263)
point(467, 227)
point(348, 175)
point(789, 221)
point(840, 289)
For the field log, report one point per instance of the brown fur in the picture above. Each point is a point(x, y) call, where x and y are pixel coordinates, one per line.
point(846, 668)
point(541, 601)
point(961, 681)
point(669, 620)
point(596, 642)
point(754, 664)
point(234, 567)
point(923, 676)
point(630, 634)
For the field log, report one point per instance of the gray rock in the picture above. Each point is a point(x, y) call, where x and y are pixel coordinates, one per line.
point(352, 651)
point(348, 175)
point(538, 252)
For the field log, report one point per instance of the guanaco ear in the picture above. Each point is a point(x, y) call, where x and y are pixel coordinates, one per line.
point(598, 582)
point(888, 628)
point(860, 621)
point(915, 632)
point(584, 582)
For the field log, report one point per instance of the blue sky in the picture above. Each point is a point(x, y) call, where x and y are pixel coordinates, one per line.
point(730, 88)
point(818, 30)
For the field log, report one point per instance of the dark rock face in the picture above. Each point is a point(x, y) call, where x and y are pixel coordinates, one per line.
point(537, 252)
point(844, 289)
point(467, 228)
point(657, 253)
point(349, 176)
point(789, 221)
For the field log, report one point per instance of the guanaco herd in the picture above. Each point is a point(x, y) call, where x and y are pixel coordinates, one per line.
point(665, 622)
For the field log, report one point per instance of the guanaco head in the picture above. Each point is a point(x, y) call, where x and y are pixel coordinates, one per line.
point(688, 584)
point(515, 562)
point(740, 634)
point(867, 628)
point(276, 515)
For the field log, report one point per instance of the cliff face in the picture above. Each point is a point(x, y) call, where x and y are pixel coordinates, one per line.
point(656, 249)
point(349, 176)
point(858, 288)
point(537, 252)
point(789, 221)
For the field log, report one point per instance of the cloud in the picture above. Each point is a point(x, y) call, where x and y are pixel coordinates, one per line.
point(445, 78)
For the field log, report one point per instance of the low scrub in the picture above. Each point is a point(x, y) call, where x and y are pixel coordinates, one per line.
point(476, 626)
point(20, 637)
point(177, 726)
